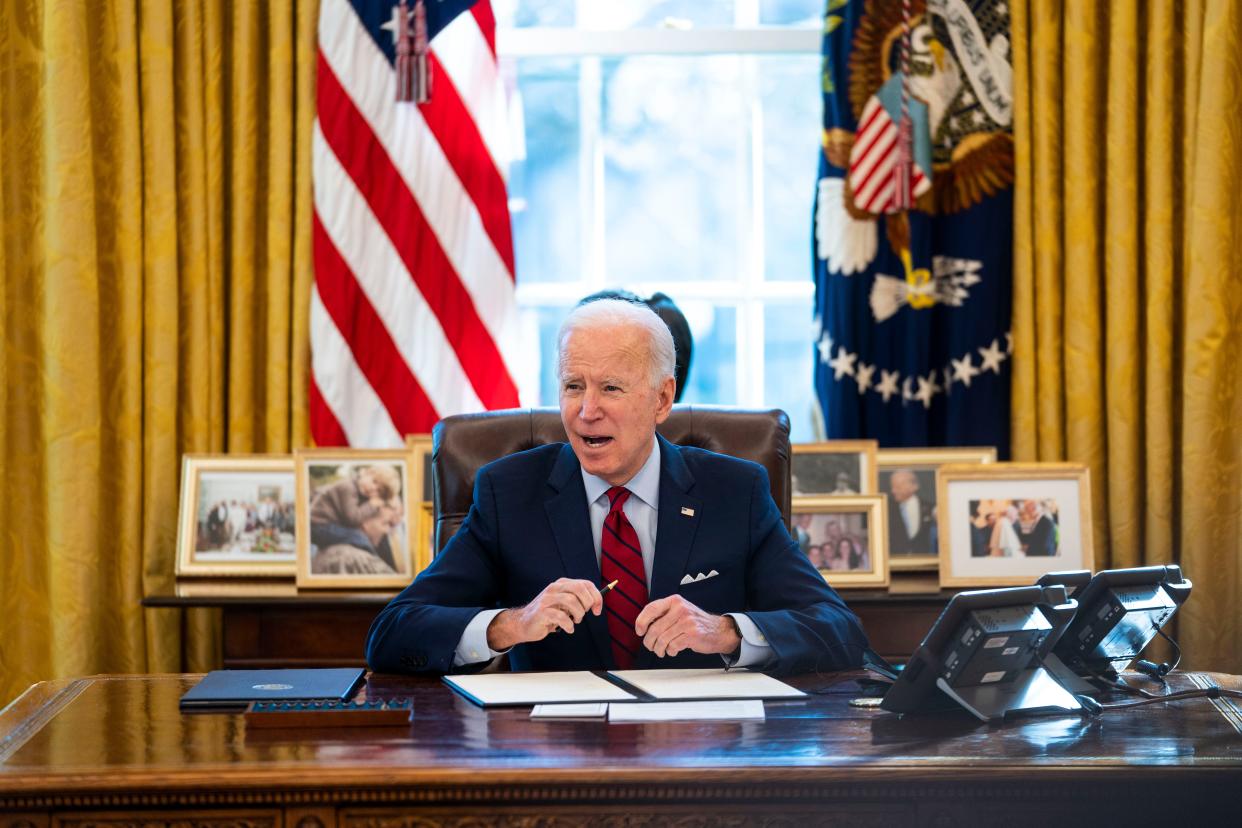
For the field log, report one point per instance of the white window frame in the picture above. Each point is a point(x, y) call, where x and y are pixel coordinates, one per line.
point(751, 293)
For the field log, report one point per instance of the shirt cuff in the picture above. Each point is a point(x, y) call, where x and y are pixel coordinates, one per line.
point(472, 647)
point(755, 650)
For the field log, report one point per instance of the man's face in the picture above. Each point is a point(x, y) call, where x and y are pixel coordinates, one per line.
point(608, 407)
point(903, 484)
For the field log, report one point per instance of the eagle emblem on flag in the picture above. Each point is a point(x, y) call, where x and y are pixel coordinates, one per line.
point(960, 112)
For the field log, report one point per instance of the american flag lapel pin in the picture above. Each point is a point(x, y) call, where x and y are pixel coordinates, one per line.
point(687, 511)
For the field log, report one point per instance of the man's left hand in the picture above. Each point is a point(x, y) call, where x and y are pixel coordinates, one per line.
point(670, 625)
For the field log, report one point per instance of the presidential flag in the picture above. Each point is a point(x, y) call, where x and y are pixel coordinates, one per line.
point(913, 223)
point(412, 313)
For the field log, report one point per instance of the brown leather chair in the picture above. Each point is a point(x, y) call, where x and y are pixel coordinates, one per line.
point(464, 443)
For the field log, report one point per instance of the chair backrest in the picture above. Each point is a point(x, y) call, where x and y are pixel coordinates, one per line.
point(464, 443)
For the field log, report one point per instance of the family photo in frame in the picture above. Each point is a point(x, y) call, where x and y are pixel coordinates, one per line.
point(907, 479)
point(844, 538)
point(355, 510)
point(837, 467)
point(237, 516)
point(1005, 524)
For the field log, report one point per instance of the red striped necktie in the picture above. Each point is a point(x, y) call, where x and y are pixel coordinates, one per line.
point(621, 560)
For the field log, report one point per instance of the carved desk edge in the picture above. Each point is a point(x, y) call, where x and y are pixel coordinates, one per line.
point(714, 787)
point(282, 784)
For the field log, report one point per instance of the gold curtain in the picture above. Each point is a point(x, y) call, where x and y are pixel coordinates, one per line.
point(157, 265)
point(1128, 286)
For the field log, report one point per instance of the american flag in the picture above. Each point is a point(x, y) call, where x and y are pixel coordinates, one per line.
point(413, 315)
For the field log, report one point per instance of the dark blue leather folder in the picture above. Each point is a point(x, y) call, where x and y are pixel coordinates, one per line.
point(232, 690)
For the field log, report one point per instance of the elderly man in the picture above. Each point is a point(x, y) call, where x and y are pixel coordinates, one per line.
point(911, 524)
point(707, 574)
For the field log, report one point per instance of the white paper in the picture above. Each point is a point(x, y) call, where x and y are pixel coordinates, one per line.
point(569, 711)
point(538, 688)
point(708, 684)
point(685, 711)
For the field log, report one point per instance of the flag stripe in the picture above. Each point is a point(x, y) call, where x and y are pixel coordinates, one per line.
point(871, 150)
point(485, 18)
point(369, 254)
point(372, 347)
point(875, 158)
point(346, 392)
point(363, 75)
point(368, 164)
point(880, 175)
point(323, 421)
point(414, 313)
point(471, 160)
point(466, 58)
point(871, 122)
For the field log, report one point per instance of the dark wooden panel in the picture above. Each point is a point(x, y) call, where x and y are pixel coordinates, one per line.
point(320, 633)
point(292, 636)
point(895, 629)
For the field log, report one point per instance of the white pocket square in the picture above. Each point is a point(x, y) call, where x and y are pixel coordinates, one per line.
point(702, 576)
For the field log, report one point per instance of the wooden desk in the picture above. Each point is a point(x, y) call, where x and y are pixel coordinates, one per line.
point(115, 750)
point(272, 624)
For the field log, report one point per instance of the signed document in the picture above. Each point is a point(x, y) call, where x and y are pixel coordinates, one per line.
point(512, 689)
point(712, 683)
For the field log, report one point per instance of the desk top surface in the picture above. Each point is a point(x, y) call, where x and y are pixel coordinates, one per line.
point(95, 730)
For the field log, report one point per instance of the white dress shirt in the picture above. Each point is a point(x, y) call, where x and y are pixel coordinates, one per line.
point(911, 515)
point(641, 510)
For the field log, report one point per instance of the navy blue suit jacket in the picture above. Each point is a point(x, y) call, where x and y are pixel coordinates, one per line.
point(529, 525)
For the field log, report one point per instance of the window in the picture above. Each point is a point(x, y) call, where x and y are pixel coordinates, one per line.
point(670, 145)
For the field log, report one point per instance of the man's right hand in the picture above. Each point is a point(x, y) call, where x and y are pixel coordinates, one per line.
point(562, 604)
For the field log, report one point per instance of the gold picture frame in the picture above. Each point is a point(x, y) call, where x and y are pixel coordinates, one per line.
point(820, 521)
point(1006, 524)
point(920, 552)
point(364, 533)
point(835, 467)
point(420, 446)
point(425, 550)
point(236, 517)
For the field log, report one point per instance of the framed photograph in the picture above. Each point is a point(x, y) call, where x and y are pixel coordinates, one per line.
point(844, 538)
point(838, 467)
point(420, 448)
point(237, 516)
point(907, 479)
point(420, 467)
point(356, 516)
point(1005, 524)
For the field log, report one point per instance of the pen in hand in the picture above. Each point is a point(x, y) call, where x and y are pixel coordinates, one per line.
point(602, 591)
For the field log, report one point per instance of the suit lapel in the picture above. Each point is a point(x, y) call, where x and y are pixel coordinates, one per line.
point(676, 523)
point(571, 526)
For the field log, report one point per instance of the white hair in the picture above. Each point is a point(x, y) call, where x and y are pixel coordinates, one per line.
point(608, 313)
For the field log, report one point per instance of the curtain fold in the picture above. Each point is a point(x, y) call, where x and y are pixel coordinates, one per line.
point(1128, 296)
point(155, 191)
